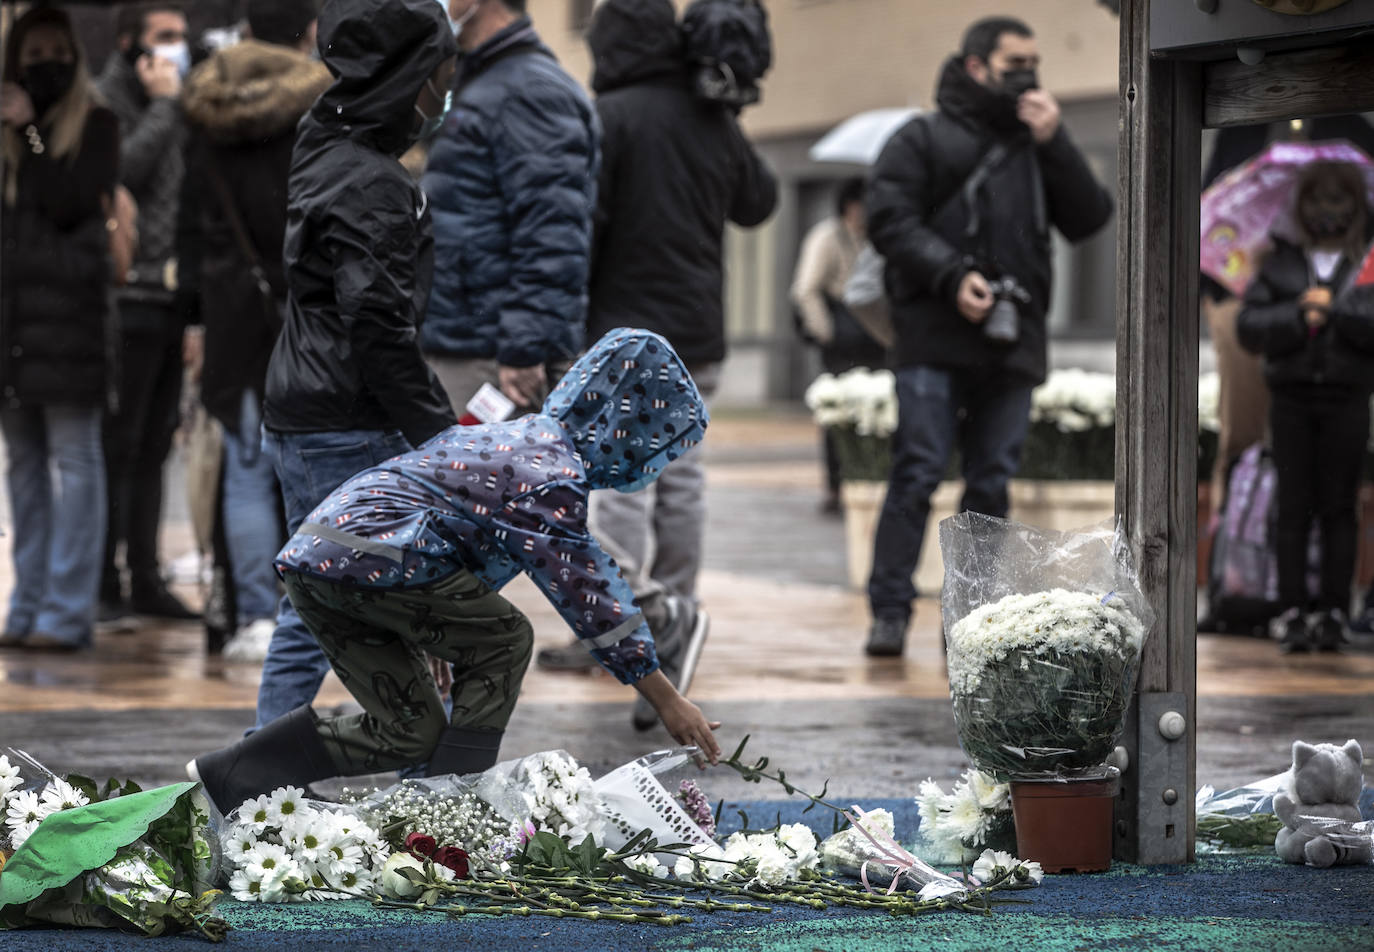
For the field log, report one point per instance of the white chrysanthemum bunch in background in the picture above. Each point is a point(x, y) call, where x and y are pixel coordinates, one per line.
point(1075, 400)
point(283, 849)
point(766, 859)
point(1209, 402)
point(562, 798)
point(22, 810)
point(1039, 624)
point(460, 819)
point(860, 398)
point(957, 824)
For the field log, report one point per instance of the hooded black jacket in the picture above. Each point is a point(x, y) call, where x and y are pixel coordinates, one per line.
point(917, 220)
point(359, 247)
point(674, 169)
point(1339, 357)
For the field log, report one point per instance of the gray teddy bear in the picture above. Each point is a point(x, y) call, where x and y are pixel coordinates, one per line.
point(1325, 781)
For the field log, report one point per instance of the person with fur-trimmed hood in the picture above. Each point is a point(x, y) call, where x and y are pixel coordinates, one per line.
point(243, 105)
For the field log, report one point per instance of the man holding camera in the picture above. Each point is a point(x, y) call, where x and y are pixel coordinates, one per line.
point(960, 204)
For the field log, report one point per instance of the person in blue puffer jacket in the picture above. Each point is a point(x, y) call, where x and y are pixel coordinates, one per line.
point(511, 181)
point(398, 575)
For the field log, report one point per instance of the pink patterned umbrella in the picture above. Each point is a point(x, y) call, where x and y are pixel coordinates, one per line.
point(1242, 208)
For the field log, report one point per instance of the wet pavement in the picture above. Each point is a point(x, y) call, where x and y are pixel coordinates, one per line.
point(784, 665)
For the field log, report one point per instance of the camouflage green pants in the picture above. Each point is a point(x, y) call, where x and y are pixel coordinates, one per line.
point(377, 640)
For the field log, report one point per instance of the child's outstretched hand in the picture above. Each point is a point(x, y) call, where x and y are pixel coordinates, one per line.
point(681, 717)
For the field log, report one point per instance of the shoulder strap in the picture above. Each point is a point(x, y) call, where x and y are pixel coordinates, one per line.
point(231, 214)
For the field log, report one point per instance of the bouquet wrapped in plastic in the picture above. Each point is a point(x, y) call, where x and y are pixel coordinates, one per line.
point(107, 857)
point(1044, 632)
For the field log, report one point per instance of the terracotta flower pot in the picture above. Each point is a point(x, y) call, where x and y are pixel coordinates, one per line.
point(1065, 825)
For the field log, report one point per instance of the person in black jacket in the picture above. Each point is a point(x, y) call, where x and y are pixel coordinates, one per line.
point(960, 204)
point(61, 166)
point(347, 387)
point(242, 106)
point(674, 170)
point(1315, 327)
point(141, 84)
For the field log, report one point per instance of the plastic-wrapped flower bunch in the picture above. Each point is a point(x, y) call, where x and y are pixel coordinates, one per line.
point(285, 849)
point(22, 810)
point(767, 859)
point(451, 813)
point(562, 797)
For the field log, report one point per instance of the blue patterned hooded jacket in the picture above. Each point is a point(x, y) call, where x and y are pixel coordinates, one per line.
point(510, 497)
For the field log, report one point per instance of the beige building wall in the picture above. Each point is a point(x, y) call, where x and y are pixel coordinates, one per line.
point(833, 58)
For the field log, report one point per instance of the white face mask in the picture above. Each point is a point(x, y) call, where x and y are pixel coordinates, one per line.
point(458, 23)
point(178, 53)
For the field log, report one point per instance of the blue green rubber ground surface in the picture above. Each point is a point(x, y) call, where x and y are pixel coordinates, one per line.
point(1219, 903)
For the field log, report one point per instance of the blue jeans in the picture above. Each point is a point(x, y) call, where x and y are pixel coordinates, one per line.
point(59, 526)
point(252, 527)
point(309, 467)
point(936, 408)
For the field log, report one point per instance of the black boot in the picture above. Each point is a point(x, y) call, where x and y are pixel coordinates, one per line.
point(462, 750)
point(287, 751)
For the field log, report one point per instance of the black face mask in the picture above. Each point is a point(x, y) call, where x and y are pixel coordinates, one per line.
point(1325, 219)
point(1017, 81)
point(46, 82)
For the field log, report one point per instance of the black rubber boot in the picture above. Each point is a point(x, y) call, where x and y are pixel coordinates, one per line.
point(462, 750)
point(287, 751)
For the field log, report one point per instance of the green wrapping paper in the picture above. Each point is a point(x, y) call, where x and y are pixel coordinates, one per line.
point(144, 860)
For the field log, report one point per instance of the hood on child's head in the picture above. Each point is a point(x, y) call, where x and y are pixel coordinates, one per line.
point(1331, 203)
point(630, 407)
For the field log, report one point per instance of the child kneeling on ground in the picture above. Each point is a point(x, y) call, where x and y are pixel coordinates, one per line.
point(397, 574)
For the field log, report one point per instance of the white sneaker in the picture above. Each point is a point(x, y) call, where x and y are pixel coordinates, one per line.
point(250, 642)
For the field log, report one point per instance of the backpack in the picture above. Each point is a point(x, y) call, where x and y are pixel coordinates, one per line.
point(1243, 575)
point(728, 49)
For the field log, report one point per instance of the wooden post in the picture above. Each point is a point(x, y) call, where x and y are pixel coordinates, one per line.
point(1156, 438)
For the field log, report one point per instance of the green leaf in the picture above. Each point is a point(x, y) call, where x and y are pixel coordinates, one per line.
point(86, 785)
point(734, 758)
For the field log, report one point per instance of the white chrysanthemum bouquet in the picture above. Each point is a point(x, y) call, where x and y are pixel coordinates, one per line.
point(1044, 631)
point(286, 849)
point(21, 810)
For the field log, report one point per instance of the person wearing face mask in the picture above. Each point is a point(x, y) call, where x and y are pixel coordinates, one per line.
point(512, 178)
point(1314, 326)
point(141, 83)
point(960, 204)
point(59, 174)
point(347, 386)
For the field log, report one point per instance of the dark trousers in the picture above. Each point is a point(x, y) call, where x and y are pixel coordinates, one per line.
point(936, 410)
point(138, 438)
point(1319, 445)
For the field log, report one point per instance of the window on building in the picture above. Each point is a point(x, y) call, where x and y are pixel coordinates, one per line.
point(580, 14)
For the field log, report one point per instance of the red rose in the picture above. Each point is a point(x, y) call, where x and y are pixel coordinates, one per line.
point(454, 858)
point(418, 844)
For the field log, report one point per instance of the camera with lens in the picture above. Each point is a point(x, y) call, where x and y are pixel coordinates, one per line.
point(1003, 324)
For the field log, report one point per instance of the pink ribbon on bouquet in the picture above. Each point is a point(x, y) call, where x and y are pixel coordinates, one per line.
point(891, 853)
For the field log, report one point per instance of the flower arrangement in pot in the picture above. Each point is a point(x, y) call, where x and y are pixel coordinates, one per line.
point(1044, 632)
